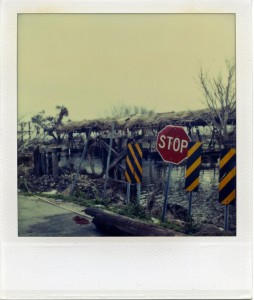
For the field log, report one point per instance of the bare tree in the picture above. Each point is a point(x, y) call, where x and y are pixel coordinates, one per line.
point(220, 98)
point(49, 124)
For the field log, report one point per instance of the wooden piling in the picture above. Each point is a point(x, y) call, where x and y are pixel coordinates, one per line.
point(47, 163)
point(22, 132)
point(120, 147)
point(43, 162)
point(108, 158)
point(37, 161)
point(29, 130)
point(55, 162)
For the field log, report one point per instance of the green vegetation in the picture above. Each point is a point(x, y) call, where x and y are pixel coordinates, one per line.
point(134, 211)
point(78, 198)
point(188, 227)
point(173, 226)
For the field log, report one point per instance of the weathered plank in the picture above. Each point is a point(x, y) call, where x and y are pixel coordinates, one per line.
point(118, 159)
point(107, 147)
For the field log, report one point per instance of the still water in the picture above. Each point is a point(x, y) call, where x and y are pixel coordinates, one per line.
point(205, 203)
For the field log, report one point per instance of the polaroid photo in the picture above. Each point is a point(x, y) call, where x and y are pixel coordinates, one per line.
point(126, 142)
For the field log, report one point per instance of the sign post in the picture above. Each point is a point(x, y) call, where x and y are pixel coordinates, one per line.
point(172, 145)
point(166, 193)
point(190, 205)
point(128, 193)
point(227, 185)
point(226, 215)
point(138, 192)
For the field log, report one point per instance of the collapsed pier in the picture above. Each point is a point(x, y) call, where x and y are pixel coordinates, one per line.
point(95, 135)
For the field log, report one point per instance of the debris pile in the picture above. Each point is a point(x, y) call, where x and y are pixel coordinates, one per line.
point(90, 188)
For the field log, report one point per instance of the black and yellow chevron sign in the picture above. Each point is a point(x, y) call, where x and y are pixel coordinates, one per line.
point(227, 185)
point(193, 166)
point(133, 173)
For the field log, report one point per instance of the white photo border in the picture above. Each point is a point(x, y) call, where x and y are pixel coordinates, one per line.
point(125, 268)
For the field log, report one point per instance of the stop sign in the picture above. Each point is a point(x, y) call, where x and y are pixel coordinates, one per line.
point(172, 144)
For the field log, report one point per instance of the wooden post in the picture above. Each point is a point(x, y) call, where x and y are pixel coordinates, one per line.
point(37, 131)
point(55, 162)
point(120, 146)
point(80, 162)
point(29, 130)
point(43, 163)
point(108, 159)
point(37, 161)
point(22, 132)
point(47, 163)
point(103, 157)
point(50, 163)
point(69, 143)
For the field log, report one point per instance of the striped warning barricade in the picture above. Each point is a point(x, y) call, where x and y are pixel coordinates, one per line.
point(133, 173)
point(193, 166)
point(192, 170)
point(227, 185)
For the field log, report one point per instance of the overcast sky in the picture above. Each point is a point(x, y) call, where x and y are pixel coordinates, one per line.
point(91, 62)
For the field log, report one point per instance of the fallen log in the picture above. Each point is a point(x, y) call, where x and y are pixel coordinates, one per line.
point(118, 225)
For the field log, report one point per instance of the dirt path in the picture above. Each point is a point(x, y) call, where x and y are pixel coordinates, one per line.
point(38, 218)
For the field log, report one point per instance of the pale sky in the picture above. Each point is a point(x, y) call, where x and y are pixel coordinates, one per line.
point(90, 62)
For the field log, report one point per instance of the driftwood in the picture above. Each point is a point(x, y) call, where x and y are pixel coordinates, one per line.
point(117, 225)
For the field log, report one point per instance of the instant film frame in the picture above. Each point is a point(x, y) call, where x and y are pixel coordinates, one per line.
point(126, 268)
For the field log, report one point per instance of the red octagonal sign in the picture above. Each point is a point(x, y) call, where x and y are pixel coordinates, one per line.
point(172, 144)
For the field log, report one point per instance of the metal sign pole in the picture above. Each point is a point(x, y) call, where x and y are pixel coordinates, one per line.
point(166, 194)
point(190, 204)
point(226, 215)
point(138, 192)
point(128, 193)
